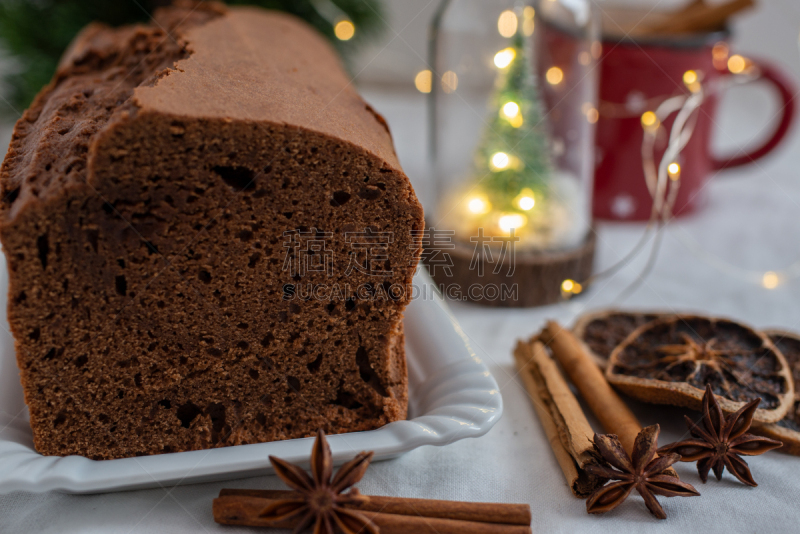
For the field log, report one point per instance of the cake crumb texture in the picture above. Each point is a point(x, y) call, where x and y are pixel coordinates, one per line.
point(153, 196)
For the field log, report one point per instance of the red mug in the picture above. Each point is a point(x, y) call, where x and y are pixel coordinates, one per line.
point(638, 75)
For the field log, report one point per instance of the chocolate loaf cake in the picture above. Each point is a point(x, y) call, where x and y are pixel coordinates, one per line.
point(209, 238)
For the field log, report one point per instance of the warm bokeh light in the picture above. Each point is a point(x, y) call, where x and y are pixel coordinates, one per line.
point(511, 109)
point(584, 58)
point(525, 200)
point(344, 30)
point(526, 203)
point(692, 80)
point(507, 23)
point(571, 287)
point(649, 120)
point(528, 23)
point(424, 81)
point(511, 221)
point(592, 115)
point(503, 58)
point(674, 170)
point(737, 64)
point(554, 75)
point(479, 205)
point(449, 81)
point(500, 161)
point(770, 280)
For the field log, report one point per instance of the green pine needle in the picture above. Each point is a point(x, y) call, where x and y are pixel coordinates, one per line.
point(35, 33)
point(526, 146)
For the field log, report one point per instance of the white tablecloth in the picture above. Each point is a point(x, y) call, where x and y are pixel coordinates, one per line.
point(751, 222)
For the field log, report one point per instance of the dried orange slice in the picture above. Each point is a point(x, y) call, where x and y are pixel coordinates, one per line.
point(601, 331)
point(787, 429)
point(671, 360)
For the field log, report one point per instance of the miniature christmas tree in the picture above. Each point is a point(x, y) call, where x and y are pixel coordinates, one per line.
point(514, 188)
point(512, 162)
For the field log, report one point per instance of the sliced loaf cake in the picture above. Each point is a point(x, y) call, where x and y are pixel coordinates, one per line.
point(209, 238)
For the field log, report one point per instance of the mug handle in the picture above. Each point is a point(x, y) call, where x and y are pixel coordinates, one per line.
point(786, 90)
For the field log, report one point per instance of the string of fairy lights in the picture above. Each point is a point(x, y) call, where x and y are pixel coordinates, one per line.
point(668, 172)
point(662, 177)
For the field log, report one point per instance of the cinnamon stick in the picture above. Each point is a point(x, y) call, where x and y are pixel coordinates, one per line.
point(512, 514)
point(613, 414)
point(700, 17)
point(245, 510)
point(564, 422)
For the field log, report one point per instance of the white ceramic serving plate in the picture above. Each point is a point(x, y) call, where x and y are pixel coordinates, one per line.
point(452, 396)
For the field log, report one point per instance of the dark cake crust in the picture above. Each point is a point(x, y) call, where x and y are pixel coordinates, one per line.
point(148, 193)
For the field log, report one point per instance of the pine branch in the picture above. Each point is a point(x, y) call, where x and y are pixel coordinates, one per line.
point(35, 33)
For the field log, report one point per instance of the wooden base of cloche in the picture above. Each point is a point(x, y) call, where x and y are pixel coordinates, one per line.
point(523, 279)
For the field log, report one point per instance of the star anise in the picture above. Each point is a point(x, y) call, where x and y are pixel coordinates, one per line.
point(321, 501)
point(692, 351)
point(644, 472)
point(719, 441)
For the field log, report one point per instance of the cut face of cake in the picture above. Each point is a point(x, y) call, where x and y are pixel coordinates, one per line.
point(210, 241)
